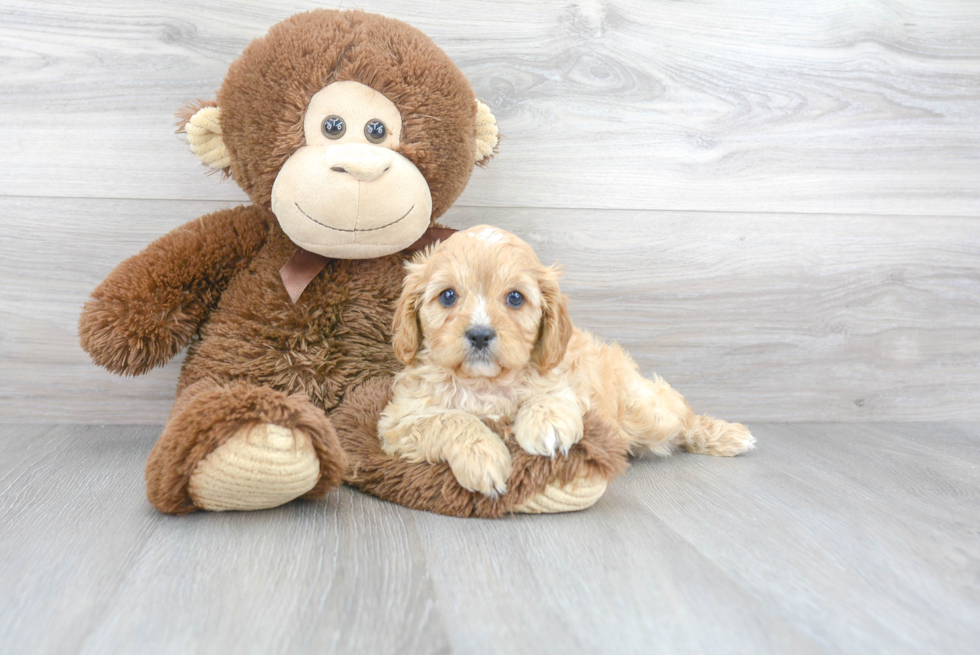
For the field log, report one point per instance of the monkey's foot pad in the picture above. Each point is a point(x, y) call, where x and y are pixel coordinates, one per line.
point(261, 466)
point(572, 497)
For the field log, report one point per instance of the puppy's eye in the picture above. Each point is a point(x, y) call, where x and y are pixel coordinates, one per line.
point(375, 131)
point(515, 299)
point(447, 298)
point(333, 127)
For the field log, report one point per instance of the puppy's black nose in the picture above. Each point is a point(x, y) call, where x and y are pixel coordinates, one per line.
point(481, 336)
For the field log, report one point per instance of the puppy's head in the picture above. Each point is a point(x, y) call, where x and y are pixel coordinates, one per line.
point(481, 304)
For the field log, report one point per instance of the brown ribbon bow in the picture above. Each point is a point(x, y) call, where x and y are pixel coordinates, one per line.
point(300, 269)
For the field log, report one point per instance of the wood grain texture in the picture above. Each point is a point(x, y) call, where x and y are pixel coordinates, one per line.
point(817, 542)
point(827, 106)
point(72, 519)
point(827, 539)
point(753, 317)
point(86, 565)
point(840, 521)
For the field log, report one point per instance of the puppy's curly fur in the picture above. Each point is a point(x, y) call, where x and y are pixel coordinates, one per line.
point(484, 332)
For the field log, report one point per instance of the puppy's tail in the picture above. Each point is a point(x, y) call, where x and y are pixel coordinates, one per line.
point(712, 436)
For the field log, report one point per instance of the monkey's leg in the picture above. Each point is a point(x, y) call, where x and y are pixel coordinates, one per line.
point(240, 446)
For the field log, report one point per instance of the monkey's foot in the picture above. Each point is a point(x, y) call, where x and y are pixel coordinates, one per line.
point(576, 495)
point(258, 467)
point(241, 446)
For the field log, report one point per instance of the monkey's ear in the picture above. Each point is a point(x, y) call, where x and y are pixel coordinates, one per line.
point(202, 124)
point(486, 134)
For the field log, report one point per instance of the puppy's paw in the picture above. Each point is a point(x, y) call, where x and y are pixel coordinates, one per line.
point(545, 428)
point(734, 440)
point(481, 462)
point(713, 436)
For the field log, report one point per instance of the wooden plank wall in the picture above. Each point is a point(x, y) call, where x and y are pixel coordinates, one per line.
point(775, 205)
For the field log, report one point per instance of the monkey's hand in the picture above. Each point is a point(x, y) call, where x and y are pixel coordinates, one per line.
point(151, 305)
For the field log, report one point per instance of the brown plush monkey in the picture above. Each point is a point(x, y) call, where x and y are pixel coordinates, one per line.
point(351, 133)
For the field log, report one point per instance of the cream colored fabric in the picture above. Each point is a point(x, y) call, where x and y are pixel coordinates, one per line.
point(260, 467)
point(577, 495)
point(204, 135)
point(350, 198)
point(326, 202)
point(357, 104)
point(486, 131)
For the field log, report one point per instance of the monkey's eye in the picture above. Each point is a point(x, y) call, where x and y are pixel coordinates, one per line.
point(447, 298)
point(515, 299)
point(333, 127)
point(375, 131)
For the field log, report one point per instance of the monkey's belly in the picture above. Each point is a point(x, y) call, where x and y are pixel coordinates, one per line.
point(337, 335)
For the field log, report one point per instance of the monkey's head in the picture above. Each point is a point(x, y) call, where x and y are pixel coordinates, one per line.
point(354, 129)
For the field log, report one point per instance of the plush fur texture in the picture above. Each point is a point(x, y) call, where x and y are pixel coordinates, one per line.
point(264, 97)
point(151, 305)
point(533, 369)
point(213, 285)
point(207, 414)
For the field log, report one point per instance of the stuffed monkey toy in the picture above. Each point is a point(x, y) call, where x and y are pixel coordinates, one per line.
point(351, 133)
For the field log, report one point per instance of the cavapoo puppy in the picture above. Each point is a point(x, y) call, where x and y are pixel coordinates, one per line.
point(484, 332)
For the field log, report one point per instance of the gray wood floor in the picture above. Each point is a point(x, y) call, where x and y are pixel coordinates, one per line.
point(829, 538)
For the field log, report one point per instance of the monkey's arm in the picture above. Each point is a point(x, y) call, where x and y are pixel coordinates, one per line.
point(151, 305)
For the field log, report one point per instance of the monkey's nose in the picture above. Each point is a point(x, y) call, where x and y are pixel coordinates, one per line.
point(363, 162)
point(480, 336)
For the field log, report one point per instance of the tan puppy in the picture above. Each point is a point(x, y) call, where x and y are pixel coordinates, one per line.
point(484, 332)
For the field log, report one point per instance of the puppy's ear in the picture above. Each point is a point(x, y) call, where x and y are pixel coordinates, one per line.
point(407, 332)
point(556, 324)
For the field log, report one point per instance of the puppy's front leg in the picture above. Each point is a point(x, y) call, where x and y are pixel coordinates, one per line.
point(549, 422)
point(478, 458)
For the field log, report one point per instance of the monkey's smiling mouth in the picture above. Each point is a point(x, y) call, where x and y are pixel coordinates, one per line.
point(370, 229)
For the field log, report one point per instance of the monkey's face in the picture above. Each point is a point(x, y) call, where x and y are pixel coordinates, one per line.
point(354, 129)
point(348, 192)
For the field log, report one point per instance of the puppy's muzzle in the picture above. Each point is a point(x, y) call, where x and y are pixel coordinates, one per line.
point(480, 337)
